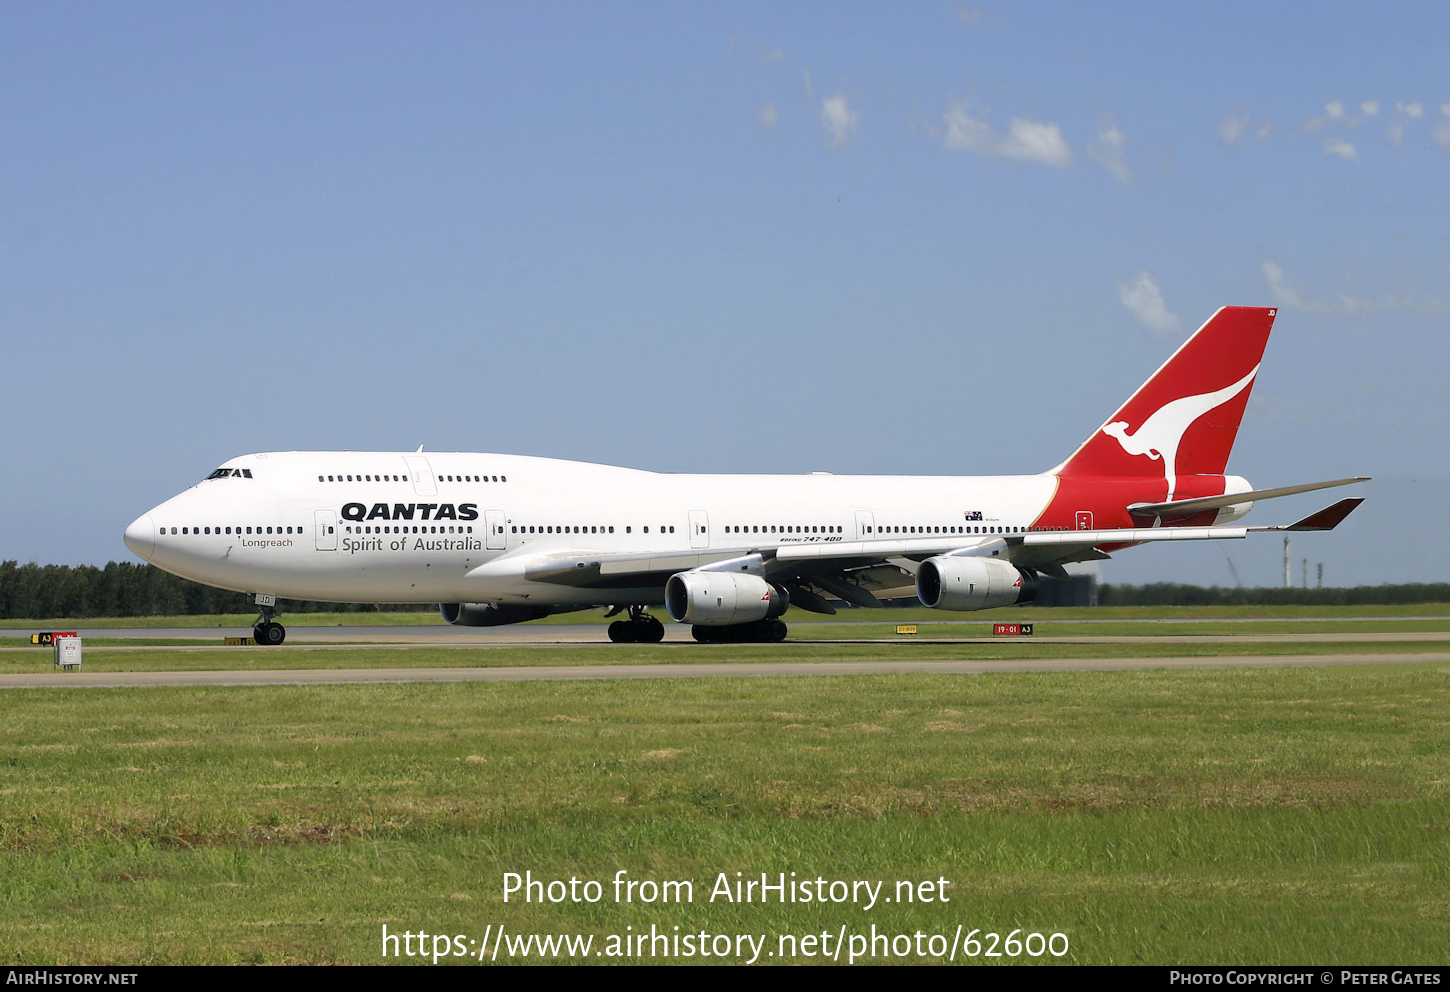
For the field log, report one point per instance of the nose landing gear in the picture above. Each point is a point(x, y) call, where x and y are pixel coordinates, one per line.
point(266, 630)
point(640, 628)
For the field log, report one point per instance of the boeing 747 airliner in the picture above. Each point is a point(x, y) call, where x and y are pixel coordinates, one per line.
point(498, 539)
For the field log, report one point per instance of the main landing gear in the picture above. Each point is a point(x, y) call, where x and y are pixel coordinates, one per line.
point(640, 628)
point(759, 632)
point(266, 630)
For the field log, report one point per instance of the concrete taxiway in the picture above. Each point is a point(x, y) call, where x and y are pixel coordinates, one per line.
point(521, 635)
point(326, 676)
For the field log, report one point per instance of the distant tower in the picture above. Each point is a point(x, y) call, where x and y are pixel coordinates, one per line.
point(1306, 573)
point(1320, 568)
point(1288, 583)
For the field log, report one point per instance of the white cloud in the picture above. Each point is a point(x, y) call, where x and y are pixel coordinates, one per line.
point(1370, 108)
point(771, 54)
point(1440, 134)
point(968, 133)
point(838, 120)
point(1231, 129)
point(1287, 296)
point(1333, 111)
point(1145, 301)
point(1403, 112)
point(1110, 150)
point(1340, 147)
point(767, 117)
point(1036, 141)
point(1030, 141)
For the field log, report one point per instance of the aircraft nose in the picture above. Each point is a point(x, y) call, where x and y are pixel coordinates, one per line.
point(141, 536)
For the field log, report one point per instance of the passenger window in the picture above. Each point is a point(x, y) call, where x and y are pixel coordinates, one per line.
point(611, 530)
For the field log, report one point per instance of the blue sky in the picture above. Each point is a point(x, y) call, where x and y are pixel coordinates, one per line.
point(852, 237)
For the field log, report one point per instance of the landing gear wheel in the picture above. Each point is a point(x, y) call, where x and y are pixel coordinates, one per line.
point(622, 632)
point(270, 633)
point(759, 632)
point(649, 630)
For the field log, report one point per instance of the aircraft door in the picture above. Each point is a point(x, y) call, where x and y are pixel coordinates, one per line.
point(421, 474)
point(699, 529)
point(494, 521)
point(326, 530)
point(865, 525)
point(1084, 519)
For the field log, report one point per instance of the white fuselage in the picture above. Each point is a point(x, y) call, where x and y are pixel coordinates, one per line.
point(414, 528)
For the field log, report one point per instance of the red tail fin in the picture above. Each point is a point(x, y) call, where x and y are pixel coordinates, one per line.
point(1184, 419)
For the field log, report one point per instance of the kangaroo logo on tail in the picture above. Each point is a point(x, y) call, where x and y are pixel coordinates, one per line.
point(1159, 435)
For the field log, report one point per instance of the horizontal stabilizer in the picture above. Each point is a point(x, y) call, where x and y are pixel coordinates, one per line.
point(1326, 519)
point(1190, 506)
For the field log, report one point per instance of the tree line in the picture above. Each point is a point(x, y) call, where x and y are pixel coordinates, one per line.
point(125, 589)
point(1176, 594)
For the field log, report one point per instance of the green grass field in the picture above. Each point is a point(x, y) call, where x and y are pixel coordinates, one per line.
point(1261, 816)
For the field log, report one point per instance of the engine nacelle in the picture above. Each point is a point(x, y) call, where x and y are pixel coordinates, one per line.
point(719, 598)
point(951, 582)
point(489, 614)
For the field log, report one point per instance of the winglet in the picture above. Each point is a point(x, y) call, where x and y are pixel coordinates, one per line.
point(1327, 518)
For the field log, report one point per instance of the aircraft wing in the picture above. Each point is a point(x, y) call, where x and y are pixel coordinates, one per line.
point(1184, 507)
point(859, 571)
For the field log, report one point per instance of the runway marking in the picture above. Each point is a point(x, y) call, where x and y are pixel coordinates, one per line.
point(701, 670)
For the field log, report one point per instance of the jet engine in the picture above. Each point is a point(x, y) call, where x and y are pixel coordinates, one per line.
point(951, 582)
point(719, 598)
point(489, 614)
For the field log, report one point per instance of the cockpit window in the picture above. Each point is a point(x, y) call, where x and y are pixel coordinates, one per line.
point(223, 473)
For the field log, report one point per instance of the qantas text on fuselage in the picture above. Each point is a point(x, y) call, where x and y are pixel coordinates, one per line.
point(501, 538)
